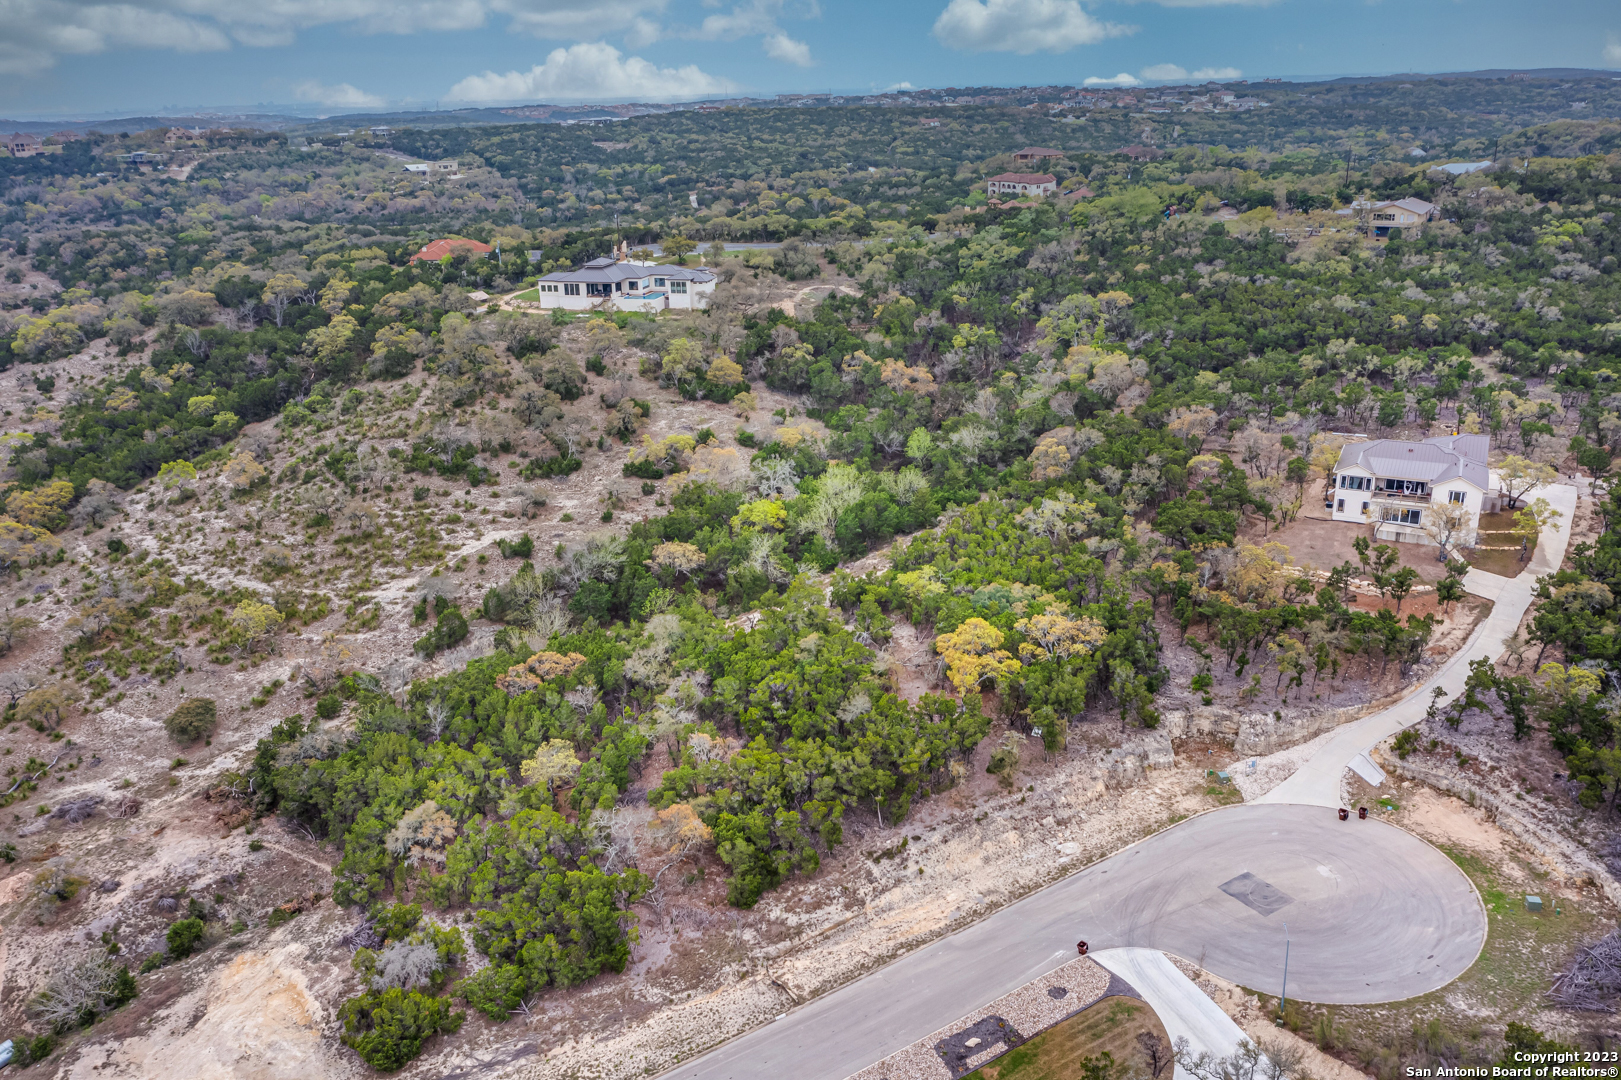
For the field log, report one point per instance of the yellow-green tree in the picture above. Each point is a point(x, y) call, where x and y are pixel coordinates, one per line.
point(554, 760)
point(760, 514)
point(45, 507)
point(1521, 475)
point(1057, 637)
point(242, 471)
point(174, 474)
point(973, 654)
point(280, 291)
point(724, 371)
point(255, 623)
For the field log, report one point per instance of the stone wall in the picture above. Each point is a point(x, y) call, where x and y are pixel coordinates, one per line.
point(1259, 733)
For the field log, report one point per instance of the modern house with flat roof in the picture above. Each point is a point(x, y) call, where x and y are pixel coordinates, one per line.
point(1398, 486)
point(626, 285)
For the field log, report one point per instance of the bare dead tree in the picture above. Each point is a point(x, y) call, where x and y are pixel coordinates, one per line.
point(1592, 982)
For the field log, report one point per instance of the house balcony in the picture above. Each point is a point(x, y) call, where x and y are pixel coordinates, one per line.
point(1401, 498)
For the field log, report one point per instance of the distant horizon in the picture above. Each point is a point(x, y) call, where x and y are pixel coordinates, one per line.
point(307, 111)
point(97, 58)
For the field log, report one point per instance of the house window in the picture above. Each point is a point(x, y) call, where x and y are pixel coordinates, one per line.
point(1364, 509)
point(571, 290)
point(658, 283)
point(1401, 516)
point(678, 286)
point(1456, 498)
point(1340, 509)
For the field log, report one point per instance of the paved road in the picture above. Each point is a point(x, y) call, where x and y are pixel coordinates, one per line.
point(1180, 1005)
point(1317, 782)
point(1374, 914)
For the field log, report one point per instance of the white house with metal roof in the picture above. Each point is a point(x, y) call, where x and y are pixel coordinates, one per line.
point(1398, 485)
point(626, 285)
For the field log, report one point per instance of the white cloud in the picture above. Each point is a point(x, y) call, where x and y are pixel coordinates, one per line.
point(1209, 3)
point(1164, 73)
point(341, 96)
point(1121, 79)
point(780, 46)
point(38, 32)
point(1612, 52)
point(1021, 26)
point(591, 71)
point(893, 87)
point(1177, 73)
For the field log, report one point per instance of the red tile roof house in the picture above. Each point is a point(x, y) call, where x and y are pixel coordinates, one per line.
point(1021, 184)
point(455, 245)
point(1035, 153)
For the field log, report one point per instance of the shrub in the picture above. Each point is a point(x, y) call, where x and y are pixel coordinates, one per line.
point(648, 487)
point(746, 438)
point(521, 548)
point(397, 920)
point(184, 938)
point(329, 706)
point(553, 466)
point(388, 1027)
point(26, 1051)
point(595, 366)
point(1405, 743)
point(193, 720)
point(450, 628)
point(420, 493)
point(152, 963)
point(494, 991)
point(645, 470)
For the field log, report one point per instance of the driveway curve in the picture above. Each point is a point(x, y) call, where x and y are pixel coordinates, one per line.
point(1374, 914)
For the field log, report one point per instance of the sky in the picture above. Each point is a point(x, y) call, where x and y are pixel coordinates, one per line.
point(125, 57)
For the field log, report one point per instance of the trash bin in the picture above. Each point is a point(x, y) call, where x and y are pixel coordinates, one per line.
point(1362, 812)
point(1345, 815)
point(1080, 947)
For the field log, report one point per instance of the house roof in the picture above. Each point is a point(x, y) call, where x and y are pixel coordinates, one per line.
point(606, 271)
point(435, 250)
point(1082, 192)
point(1023, 178)
point(1434, 461)
point(1038, 151)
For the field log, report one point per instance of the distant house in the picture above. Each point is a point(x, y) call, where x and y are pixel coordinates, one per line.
point(1082, 192)
point(626, 285)
point(1463, 168)
point(930, 121)
point(1021, 184)
point(21, 145)
point(1138, 152)
point(67, 136)
point(1408, 213)
point(444, 165)
point(1036, 153)
point(1397, 485)
point(435, 250)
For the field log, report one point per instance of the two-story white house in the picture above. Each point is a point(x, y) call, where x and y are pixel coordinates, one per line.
point(626, 285)
point(1397, 485)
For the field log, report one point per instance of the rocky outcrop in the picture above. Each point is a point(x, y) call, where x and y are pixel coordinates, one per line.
point(1258, 733)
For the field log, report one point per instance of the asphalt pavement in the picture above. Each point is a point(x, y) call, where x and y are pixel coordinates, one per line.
point(1373, 914)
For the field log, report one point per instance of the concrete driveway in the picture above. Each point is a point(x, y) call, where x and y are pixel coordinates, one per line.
point(1317, 782)
point(1374, 914)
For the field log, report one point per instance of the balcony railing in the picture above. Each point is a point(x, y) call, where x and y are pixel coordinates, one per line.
point(1402, 496)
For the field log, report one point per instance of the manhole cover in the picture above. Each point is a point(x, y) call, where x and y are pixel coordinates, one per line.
point(1256, 894)
point(1057, 992)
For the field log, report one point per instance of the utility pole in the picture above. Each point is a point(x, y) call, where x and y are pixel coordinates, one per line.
point(1283, 998)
